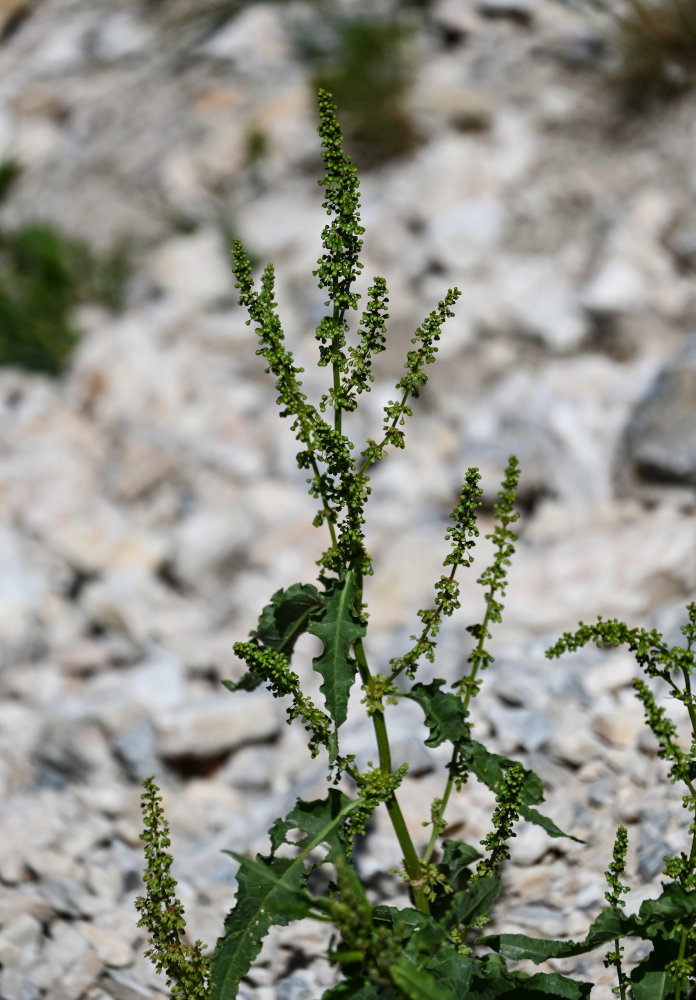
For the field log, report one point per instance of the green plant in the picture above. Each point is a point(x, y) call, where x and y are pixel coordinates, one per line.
point(369, 73)
point(656, 44)
point(43, 274)
point(431, 949)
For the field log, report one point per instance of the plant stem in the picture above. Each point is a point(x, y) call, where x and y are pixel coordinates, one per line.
point(689, 702)
point(338, 318)
point(369, 461)
point(475, 656)
point(412, 862)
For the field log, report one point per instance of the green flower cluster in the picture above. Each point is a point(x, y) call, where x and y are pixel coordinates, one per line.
point(162, 914)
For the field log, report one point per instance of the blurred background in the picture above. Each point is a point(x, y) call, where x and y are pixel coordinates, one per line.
point(538, 154)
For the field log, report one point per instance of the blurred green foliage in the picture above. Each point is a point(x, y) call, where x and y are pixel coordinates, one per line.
point(656, 42)
point(359, 55)
point(368, 73)
point(43, 275)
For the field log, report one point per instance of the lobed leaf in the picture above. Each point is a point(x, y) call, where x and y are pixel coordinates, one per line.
point(284, 620)
point(445, 713)
point(272, 890)
point(338, 624)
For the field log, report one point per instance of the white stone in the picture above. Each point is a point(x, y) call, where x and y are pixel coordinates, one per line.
point(134, 602)
point(459, 235)
point(71, 966)
point(522, 8)
point(216, 725)
point(208, 541)
point(122, 35)
point(113, 936)
point(192, 269)
point(617, 287)
point(530, 844)
point(19, 937)
point(622, 723)
point(542, 301)
point(254, 41)
point(22, 588)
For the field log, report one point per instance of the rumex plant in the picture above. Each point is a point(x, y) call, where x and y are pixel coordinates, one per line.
point(431, 949)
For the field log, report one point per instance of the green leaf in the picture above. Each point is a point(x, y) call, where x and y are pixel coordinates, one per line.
point(338, 624)
point(360, 991)
point(454, 868)
point(492, 979)
point(609, 925)
point(658, 917)
point(657, 920)
point(280, 625)
point(402, 922)
point(489, 769)
point(548, 984)
point(453, 970)
point(649, 981)
point(456, 858)
point(445, 714)
point(272, 890)
point(474, 901)
point(418, 984)
point(284, 620)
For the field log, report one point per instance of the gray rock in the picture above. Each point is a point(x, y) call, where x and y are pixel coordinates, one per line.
point(215, 725)
point(295, 987)
point(517, 10)
point(520, 728)
point(659, 444)
point(617, 287)
point(136, 749)
point(462, 232)
point(652, 850)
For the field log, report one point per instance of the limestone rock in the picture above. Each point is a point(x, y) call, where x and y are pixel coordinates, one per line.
point(659, 445)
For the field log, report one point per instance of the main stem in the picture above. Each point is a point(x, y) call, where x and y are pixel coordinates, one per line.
point(411, 860)
point(692, 853)
point(450, 780)
point(685, 930)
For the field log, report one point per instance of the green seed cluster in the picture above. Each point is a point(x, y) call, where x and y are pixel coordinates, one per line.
point(272, 666)
point(161, 912)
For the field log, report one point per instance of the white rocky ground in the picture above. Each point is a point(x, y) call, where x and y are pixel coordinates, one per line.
point(149, 499)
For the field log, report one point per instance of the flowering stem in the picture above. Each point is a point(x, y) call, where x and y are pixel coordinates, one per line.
point(411, 860)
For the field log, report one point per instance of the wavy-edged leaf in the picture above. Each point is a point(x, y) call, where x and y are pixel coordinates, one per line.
point(280, 625)
point(609, 925)
point(492, 979)
point(271, 890)
point(657, 920)
point(545, 985)
point(454, 869)
point(474, 901)
point(284, 620)
point(489, 768)
point(337, 623)
point(417, 984)
point(453, 970)
point(456, 858)
point(445, 713)
point(402, 922)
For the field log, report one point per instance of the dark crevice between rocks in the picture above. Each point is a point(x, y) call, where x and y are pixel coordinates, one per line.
point(187, 766)
point(79, 579)
point(14, 22)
